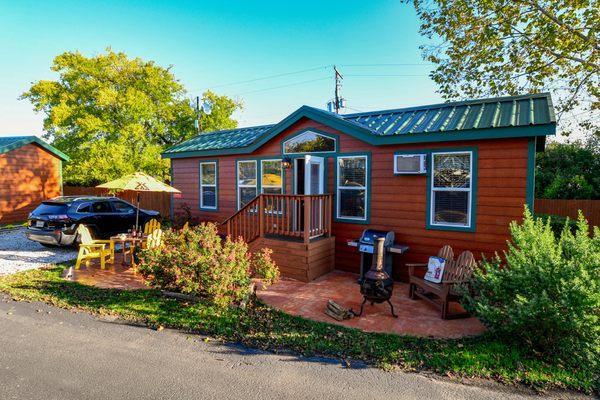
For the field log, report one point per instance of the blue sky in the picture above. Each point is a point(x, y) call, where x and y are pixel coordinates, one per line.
point(213, 43)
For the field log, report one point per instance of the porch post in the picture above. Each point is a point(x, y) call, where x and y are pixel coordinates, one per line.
point(307, 219)
point(261, 216)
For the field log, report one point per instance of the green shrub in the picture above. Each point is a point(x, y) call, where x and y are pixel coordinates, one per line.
point(557, 223)
point(197, 261)
point(544, 294)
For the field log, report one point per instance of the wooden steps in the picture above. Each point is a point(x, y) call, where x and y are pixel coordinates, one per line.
point(297, 260)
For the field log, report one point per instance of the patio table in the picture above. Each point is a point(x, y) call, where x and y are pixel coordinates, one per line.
point(133, 243)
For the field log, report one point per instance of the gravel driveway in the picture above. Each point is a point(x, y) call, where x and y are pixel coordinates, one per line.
point(17, 253)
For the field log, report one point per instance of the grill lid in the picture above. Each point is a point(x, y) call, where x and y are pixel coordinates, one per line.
point(370, 236)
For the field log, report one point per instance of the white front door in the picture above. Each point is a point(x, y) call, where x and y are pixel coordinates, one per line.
point(313, 174)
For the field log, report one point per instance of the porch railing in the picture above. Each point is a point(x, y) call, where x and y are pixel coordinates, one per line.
point(295, 216)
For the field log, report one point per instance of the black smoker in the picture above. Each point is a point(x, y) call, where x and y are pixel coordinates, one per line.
point(376, 284)
point(367, 246)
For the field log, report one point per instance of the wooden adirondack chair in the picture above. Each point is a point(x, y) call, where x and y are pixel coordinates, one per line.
point(154, 239)
point(151, 226)
point(441, 294)
point(91, 248)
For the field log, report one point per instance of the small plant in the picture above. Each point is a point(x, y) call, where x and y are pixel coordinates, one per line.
point(544, 294)
point(264, 267)
point(197, 261)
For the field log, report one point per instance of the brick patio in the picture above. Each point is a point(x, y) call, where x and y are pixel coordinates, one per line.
point(416, 318)
point(309, 300)
point(117, 276)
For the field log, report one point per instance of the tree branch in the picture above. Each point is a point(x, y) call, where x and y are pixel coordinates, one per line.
point(560, 23)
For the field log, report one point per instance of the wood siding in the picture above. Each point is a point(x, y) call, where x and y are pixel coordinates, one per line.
point(297, 260)
point(397, 203)
point(29, 175)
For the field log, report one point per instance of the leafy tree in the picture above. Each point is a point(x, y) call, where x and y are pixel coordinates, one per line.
point(568, 171)
point(114, 115)
point(495, 47)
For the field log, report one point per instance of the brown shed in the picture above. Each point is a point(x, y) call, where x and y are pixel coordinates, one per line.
point(31, 171)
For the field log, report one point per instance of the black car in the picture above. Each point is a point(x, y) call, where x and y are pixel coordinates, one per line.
point(55, 221)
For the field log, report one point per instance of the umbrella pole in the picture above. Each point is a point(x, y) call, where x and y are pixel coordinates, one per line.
point(137, 212)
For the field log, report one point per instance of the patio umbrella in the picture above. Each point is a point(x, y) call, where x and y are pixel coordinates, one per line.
point(138, 182)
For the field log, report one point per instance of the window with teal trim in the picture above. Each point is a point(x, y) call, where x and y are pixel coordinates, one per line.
point(208, 185)
point(451, 189)
point(351, 187)
point(247, 182)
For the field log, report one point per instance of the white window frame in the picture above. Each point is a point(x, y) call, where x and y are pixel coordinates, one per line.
point(338, 188)
point(237, 177)
point(310, 152)
point(433, 189)
point(262, 187)
point(214, 186)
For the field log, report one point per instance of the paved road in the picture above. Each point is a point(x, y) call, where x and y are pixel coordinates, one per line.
point(49, 353)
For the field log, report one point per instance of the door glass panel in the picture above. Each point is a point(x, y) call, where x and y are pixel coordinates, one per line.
point(315, 178)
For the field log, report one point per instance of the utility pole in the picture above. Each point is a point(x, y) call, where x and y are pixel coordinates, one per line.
point(198, 124)
point(338, 86)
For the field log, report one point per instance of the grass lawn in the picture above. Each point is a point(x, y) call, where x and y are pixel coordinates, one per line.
point(261, 327)
point(13, 225)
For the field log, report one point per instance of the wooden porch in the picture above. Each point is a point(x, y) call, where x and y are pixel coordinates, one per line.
point(296, 227)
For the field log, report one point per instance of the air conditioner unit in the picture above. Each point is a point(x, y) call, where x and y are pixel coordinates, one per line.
point(410, 164)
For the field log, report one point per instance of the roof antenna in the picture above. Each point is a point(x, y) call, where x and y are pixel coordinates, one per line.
point(338, 102)
point(204, 108)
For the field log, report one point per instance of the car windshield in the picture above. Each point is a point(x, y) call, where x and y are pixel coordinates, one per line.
point(51, 209)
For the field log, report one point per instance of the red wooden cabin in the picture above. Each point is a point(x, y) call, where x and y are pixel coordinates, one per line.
point(31, 172)
point(452, 173)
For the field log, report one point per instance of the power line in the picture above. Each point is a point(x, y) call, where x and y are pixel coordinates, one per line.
point(283, 86)
point(386, 65)
point(384, 75)
point(270, 77)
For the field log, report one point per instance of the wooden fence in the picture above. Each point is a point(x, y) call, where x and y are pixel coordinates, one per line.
point(149, 200)
point(569, 208)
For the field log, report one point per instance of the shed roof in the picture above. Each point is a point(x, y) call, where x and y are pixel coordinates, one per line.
point(9, 143)
point(516, 116)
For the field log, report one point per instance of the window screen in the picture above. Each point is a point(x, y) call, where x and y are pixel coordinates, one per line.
point(451, 189)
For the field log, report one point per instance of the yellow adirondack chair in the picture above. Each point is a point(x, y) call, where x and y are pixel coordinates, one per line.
point(154, 240)
point(151, 226)
point(91, 248)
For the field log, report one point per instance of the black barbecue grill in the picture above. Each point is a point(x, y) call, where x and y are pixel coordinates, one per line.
point(366, 245)
point(376, 282)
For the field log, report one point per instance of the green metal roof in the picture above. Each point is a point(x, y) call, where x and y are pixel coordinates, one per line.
point(532, 114)
point(227, 139)
point(14, 142)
